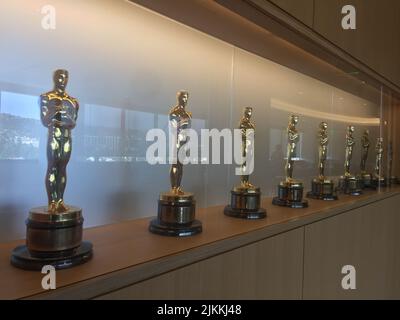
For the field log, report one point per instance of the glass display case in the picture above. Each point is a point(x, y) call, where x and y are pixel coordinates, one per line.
point(126, 64)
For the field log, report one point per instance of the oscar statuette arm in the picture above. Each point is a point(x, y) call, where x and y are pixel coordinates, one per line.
point(293, 136)
point(70, 115)
point(46, 116)
point(323, 139)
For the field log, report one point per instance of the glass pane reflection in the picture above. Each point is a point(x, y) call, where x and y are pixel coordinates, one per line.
point(127, 87)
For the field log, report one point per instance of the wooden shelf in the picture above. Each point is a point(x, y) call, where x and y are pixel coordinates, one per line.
point(126, 253)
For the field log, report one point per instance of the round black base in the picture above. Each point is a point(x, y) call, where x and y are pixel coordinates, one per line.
point(175, 230)
point(350, 185)
point(322, 189)
point(326, 197)
point(245, 214)
point(379, 183)
point(21, 258)
point(287, 203)
point(369, 186)
point(366, 181)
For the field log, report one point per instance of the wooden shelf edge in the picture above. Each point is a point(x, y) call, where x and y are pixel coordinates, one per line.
point(118, 279)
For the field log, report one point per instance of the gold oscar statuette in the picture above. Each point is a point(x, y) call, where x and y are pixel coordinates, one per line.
point(54, 232)
point(176, 208)
point(321, 187)
point(365, 176)
point(290, 191)
point(246, 198)
point(348, 183)
point(379, 179)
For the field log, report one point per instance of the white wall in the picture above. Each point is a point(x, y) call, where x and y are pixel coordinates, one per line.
point(126, 64)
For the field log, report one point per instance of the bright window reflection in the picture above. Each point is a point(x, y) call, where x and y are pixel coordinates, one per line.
point(19, 126)
point(20, 105)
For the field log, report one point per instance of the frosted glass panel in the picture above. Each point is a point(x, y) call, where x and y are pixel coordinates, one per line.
point(126, 64)
point(276, 92)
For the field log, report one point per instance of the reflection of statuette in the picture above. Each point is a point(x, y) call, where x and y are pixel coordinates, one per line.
point(378, 180)
point(365, 177)
point(246, 198)
point(322, 188)
point(290, 191)
point(365, 148)
point(348, 183)
point(176, 208)
point(59, 113)
point(54, 232)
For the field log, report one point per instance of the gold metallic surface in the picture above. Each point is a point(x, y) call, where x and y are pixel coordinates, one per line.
point(59, 113)
point(378, 159)
point(41, 214)
point(349, 150)
point(321, 187)
point(245, 125)
point(174, 197)
point(293, 139)
point(291, 184)
point(246, 189)
point(322, 149)
point(364, 151)
point(180, 119)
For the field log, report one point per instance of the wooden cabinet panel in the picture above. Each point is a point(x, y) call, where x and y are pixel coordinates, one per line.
point(367, 238)
point(303, 10)
point(376, 39)
point(268, 269)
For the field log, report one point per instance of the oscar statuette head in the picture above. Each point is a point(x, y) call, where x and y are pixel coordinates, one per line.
point(60, 79)
point(183, 97)
point(248, 112)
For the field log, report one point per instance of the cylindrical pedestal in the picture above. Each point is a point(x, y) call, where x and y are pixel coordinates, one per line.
point(245, 204)
point(350, 185)
point(322, 190)
point(366, 181)
point(290, 194)
point(176, 216)
point(52, 239)
point(379, 182)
